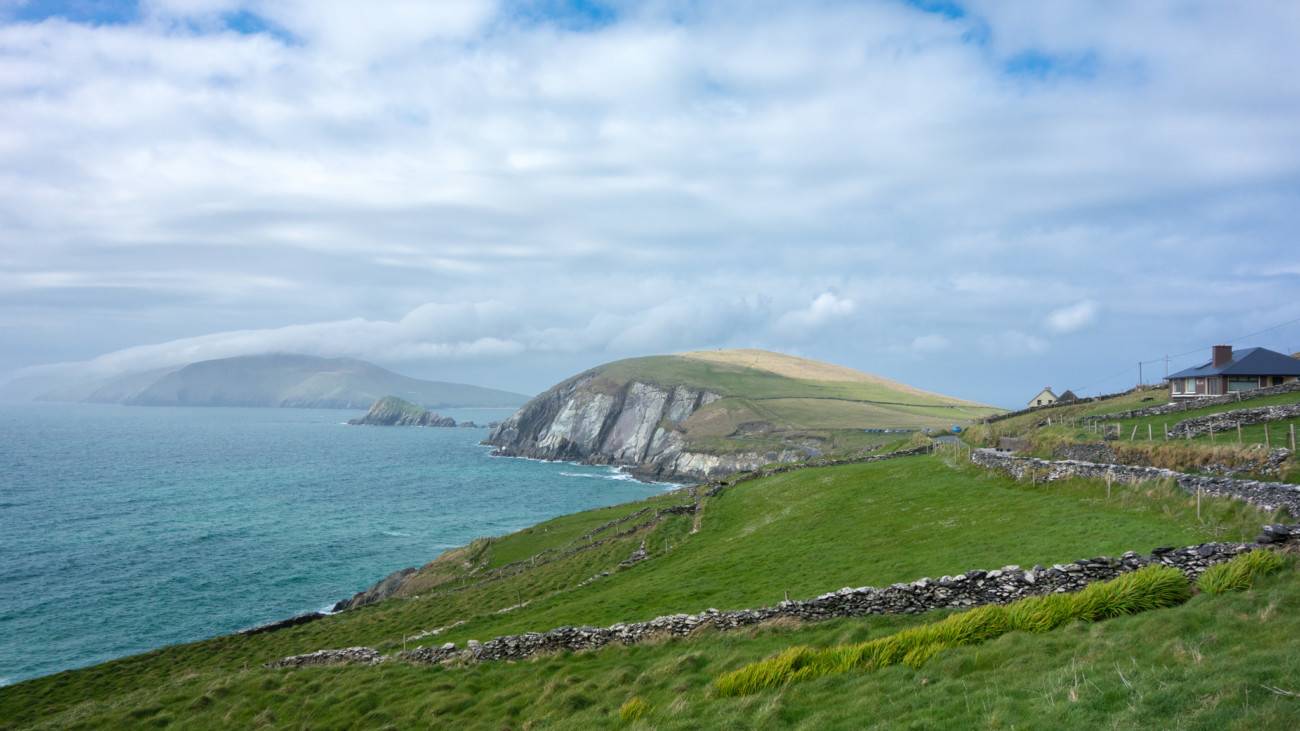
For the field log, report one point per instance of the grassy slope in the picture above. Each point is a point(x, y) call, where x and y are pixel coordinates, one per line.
point(1183, 455)
point(805, 532)
point(1214, 663)
point(1253, 434)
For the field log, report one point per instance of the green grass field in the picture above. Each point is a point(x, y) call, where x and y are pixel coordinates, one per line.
point(1216, 662)
point(804, 532)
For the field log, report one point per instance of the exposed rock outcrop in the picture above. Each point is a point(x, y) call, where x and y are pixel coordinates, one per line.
point(384, 589)
point(393, 411)
point(636, 425)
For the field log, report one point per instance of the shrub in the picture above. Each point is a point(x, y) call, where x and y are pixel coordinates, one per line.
point(1240, 573)
point(1152, 587)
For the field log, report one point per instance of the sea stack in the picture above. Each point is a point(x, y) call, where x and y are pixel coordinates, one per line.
point(393, 411)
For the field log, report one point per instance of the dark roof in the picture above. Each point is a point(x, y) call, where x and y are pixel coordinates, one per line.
point(1246, 362)
point(1068, 396)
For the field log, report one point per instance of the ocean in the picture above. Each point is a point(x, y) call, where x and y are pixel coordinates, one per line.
point(124, 529)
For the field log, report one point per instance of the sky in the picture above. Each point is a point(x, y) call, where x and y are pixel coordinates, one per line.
point(976, 197)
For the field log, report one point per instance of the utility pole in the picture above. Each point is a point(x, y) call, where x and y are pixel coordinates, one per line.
point(1139, 373)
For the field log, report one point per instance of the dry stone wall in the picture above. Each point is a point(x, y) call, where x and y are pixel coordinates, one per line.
point(1198, 403)
point(1265, 495)
point(973, 588)
point(1230, 420)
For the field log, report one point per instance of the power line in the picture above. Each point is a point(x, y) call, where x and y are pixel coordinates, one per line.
point(1227, 342)
point(1201, 349)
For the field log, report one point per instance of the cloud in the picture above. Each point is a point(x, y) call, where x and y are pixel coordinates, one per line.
point(1074, 317)
point(825, 309)
point(822, 175)
point(927, 344)
point(1010, 344)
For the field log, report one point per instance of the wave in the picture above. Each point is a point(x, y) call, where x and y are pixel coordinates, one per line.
point(620, 476)
point(395, 533)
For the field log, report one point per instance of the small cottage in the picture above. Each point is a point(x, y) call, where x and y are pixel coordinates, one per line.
point(1230, 371)
point(1045, 397)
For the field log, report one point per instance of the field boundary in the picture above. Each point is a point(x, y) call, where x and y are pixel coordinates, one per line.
point(962, 591)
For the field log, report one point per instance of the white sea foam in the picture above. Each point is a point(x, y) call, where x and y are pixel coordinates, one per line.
point(395, 533)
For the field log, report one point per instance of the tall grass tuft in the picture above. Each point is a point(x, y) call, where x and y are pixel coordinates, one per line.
point(635, 708)
point(1240, 573)
point(1152, 587)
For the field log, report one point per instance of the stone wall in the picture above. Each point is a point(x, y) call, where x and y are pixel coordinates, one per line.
point(1226, 421)
point(1265, 495)
point(1198, 403)
point(973, 588)
point(345, 656)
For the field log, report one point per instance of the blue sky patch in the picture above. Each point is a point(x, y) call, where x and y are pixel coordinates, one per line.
point(946, 8)
point(578, 15)
point(1038, 64)
point(92, 12)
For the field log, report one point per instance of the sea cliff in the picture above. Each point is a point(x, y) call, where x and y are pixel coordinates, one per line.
point(636, 424)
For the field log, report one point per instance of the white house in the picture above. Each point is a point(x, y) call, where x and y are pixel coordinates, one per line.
point(1043, 398)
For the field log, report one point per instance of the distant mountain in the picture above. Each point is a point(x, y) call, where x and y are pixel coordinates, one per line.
point(282, 380)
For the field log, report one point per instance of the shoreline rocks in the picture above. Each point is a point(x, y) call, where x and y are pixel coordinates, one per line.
point(385, 588)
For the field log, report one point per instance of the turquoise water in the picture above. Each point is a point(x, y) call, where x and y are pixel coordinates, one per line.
point(126, 528)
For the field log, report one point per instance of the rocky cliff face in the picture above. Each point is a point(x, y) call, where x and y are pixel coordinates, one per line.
point(636, 425)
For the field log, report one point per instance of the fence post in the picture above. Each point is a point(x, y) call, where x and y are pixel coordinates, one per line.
point(1267, 441)
point(1149, 437)
point(1293, 439)
point(1166, 431)
point(1211, 435)
point(1198, 502)
point(1133, 436)
point(1239, 426)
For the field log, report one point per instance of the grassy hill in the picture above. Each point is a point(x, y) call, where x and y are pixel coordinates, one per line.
point(1207, 663)
point(772, 400)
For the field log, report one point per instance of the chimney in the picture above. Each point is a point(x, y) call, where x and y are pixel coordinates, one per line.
point(1222, 355)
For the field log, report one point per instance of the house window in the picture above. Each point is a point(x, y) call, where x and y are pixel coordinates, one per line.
point(1238, 383)
point(1190, 386)
point(1178, 386)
